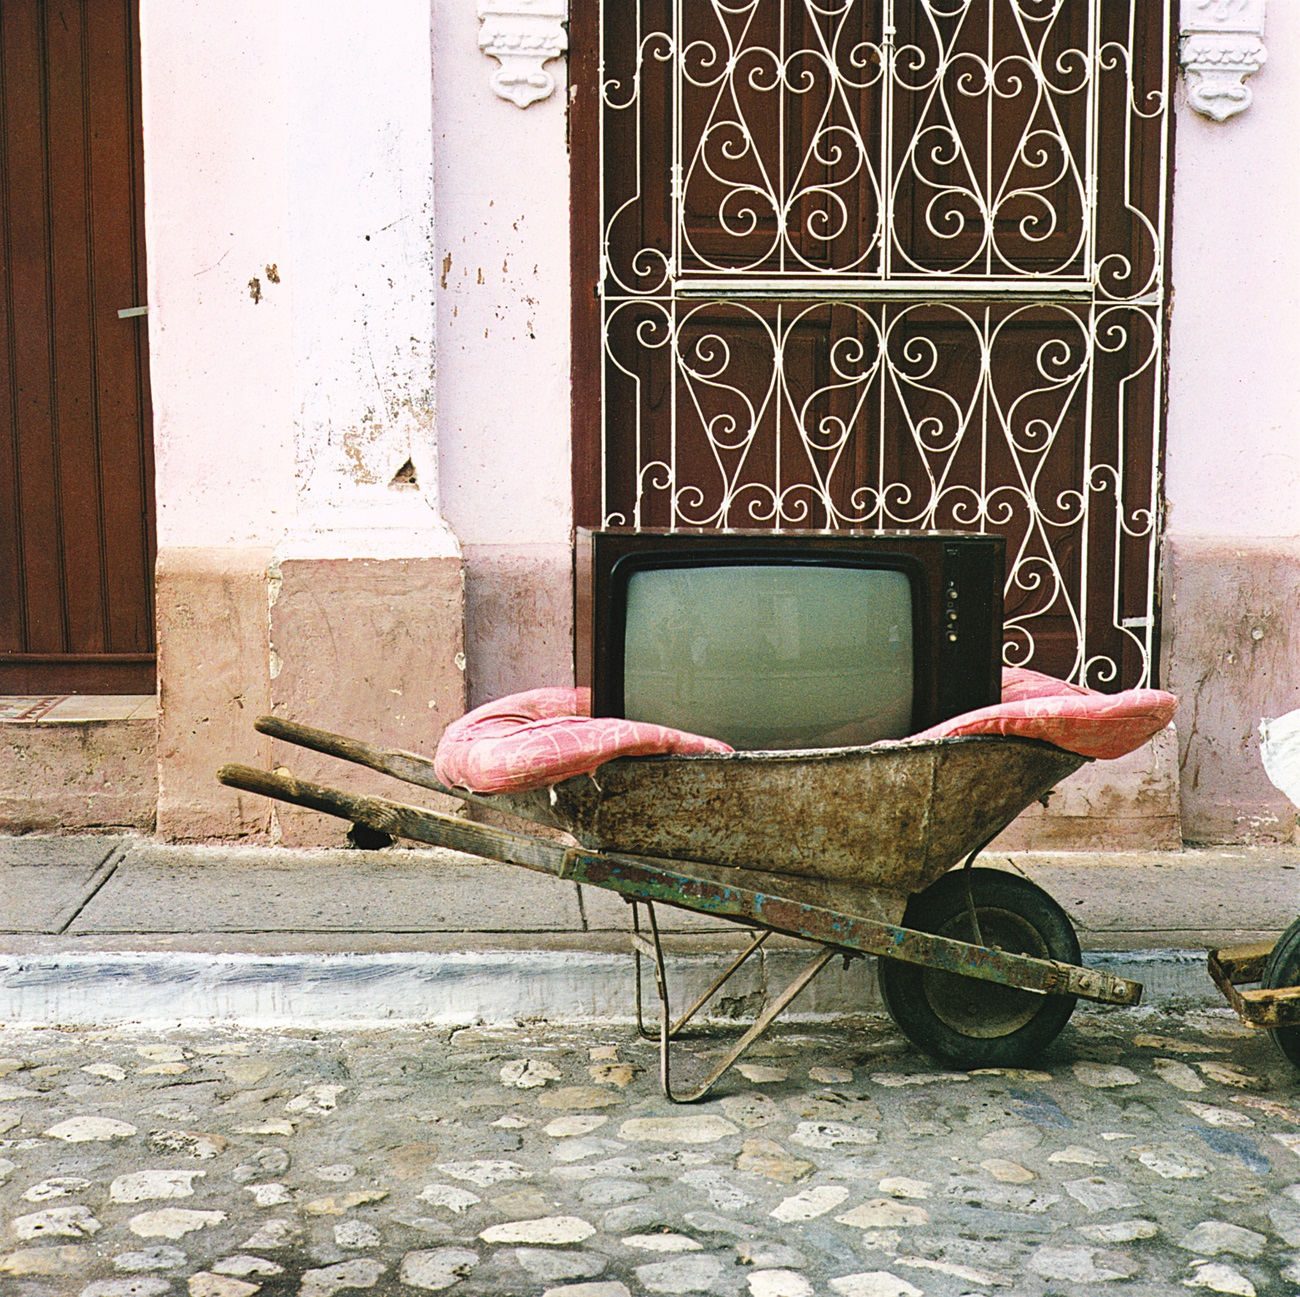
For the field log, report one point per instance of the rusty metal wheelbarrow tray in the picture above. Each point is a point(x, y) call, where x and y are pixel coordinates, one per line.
point(885, 820)
point(825, 846)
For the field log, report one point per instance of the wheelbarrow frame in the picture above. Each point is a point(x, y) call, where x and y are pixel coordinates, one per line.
point(1232, 967)
point(764, 901)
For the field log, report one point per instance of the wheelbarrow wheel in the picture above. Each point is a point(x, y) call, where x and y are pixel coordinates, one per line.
point(965, 1021)
point(1282, 970)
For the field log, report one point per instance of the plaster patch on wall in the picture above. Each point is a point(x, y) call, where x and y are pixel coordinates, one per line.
point(523, 36)
point(394, 428)
point(356, 441)
point(1221, 45)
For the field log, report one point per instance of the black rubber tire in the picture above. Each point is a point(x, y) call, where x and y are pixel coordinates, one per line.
point(1283, 969)
point(964, 1021)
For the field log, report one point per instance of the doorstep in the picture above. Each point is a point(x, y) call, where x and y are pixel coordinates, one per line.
point(72, 762)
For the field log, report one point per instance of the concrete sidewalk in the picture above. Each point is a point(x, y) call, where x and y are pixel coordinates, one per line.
point(121, 928)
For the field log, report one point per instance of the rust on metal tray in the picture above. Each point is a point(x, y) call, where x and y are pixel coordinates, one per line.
point(893, 817)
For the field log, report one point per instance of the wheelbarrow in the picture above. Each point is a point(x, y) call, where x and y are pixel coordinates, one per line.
point(849, 849)
point(1275, 1003)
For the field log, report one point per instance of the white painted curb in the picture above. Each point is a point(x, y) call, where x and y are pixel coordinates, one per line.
point(303, 990)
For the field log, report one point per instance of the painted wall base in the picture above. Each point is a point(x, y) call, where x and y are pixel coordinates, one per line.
point(1131, 804)
point(518, 618)
point(75, 776)
point(213, 681)
point(372, 648)
point(1232, 655)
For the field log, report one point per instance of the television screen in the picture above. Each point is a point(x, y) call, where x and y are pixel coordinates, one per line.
point(775, 640)
point(791, 655)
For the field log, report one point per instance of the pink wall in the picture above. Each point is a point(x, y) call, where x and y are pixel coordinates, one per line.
point(501, 179)
point(1231, 615)
point(216, 182)
point(1233, 450)
point(247, 391)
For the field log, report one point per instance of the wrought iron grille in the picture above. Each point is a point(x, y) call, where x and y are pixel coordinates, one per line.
point(897, 263)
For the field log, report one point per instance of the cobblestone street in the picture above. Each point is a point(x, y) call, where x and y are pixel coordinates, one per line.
point(1152, 1153)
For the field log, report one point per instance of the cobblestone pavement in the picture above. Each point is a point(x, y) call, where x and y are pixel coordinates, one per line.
point(1152, 1153)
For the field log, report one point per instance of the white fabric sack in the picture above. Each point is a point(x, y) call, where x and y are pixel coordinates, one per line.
point(1279, 745)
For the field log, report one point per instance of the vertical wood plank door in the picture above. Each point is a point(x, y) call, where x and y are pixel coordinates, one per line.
point(77, 539)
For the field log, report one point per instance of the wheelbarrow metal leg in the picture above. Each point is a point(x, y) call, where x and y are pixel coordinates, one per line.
point(641, 946)
point(764, 1020)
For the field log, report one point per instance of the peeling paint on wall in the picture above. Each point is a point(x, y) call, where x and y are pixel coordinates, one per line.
point(366, 272)
point(355, 442)
point(274, 584)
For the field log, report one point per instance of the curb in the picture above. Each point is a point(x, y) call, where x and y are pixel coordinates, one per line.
point(461, 989)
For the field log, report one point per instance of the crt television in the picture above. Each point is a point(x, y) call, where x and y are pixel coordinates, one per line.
point(780, 640)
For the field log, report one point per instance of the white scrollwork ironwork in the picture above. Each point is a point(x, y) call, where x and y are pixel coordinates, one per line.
point(881, 278)
point(1222, 44)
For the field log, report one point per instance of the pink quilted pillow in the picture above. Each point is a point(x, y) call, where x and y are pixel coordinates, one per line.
point(540, 736)
point(1020, 684)
point(1091, 724)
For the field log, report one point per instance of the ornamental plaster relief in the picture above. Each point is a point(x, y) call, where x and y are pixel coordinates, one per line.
point(1222, 44)
point(523, 35)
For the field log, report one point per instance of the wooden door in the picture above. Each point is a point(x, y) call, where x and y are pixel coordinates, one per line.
point(76, 457)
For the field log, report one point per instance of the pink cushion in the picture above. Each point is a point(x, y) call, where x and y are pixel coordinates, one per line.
point(1020, 684)
point(540, 736)
point(1083, 721)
